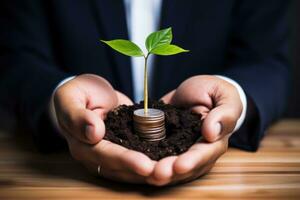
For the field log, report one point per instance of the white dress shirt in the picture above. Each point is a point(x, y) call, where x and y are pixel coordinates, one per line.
point(142, 19)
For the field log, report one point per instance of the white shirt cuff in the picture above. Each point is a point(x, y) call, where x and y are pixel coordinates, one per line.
point(243, 98)
point(52, 112)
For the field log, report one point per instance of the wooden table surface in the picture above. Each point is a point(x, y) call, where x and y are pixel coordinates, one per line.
point(273, 172)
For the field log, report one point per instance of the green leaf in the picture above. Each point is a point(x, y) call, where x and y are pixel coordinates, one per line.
point(168, 49)
point(125, 47)
point(158, 38)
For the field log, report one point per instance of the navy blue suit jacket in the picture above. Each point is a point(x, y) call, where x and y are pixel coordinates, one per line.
point(43, 42)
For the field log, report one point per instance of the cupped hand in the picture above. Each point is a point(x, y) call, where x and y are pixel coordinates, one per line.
point(219, 103)
point(81, 106)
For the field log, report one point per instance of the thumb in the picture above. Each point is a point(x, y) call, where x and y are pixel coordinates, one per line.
point(83, 124)
point(94, 127)
point(77, 121)
point(220, 121)
point(167, 98)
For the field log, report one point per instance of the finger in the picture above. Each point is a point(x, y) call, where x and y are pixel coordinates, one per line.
point(163, 171)
point(168, 97)
point(83, 124)
point(219, 122)
point(182, 178)
point(199, 155)
point(138, 162)
point(115, 175)
point(191, 176)
point(195, 91)
point(118, 157)
point(114, 157)
point(97, 92)
point(122, 176)
point(203, 110)
point(123, 99)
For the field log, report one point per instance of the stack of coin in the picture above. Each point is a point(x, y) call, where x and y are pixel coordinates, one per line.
point(149, 126)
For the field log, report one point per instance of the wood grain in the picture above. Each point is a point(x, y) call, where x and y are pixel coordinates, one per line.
point(271, 173)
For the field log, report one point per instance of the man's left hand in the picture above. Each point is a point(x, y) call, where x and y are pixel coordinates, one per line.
point(219, 103)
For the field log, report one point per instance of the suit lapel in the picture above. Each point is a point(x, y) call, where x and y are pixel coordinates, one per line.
point(111, 20)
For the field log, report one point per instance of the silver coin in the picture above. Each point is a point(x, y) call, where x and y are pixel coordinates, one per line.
point(149, 118)
point(152, 113)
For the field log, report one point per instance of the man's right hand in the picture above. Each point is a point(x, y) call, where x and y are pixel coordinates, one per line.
point(81, 105)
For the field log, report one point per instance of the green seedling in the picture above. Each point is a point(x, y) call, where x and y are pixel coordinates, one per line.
point(158, 43)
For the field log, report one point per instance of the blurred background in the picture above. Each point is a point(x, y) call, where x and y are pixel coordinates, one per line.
point(293, 106)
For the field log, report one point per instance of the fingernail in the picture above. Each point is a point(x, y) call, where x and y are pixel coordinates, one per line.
point(218, 128)
point(89, 132)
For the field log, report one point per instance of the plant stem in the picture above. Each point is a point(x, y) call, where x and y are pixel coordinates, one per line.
point(146, 85)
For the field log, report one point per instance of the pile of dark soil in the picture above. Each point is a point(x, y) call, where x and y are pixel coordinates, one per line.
point(182, 130)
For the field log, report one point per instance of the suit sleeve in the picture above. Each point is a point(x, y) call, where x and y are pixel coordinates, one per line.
point(28, 70)
point(258, 61)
